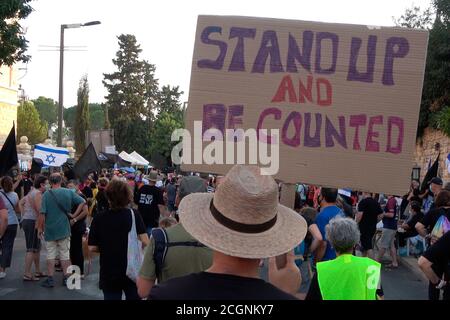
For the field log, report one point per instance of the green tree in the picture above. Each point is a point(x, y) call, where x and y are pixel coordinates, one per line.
point(69, 116)
point(169, 99)
point(436, 86)
point(47, 108)
point(415, 18)
point(82, 115)
point(441, 120)
point(132, 95)
point(161, 133)
point(138, 130)
point(96, 116)
point(29, 124)
point(13, 44)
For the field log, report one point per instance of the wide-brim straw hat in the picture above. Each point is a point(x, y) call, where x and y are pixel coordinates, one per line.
point(243, 218)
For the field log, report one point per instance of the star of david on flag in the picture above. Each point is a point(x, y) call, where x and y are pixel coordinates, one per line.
point(51, 156)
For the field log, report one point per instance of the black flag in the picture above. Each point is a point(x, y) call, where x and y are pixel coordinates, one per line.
point(158, 160)
point(107, 160)
point(8, 154)
point(431, 173)
point(88, 163)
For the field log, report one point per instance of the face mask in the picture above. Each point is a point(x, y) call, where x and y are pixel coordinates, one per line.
point(47, 187)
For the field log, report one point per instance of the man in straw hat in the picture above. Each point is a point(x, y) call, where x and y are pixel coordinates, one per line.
point(242, 222)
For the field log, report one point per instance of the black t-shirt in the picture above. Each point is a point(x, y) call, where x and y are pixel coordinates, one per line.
point(102, 201)
point(87, 191)
point(430, 219)
point(80, 225)
point(413, 221)
point(109, 231)
point(439, 254)
point(26, 184)
point(214, 286)
point(148, 198)
point(370, 209)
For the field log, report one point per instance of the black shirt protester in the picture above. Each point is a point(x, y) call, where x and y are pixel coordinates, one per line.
point(26, 184)
point(80, 225)
point(214, 286)
point(148, 198)
point(432, 217)
point(102, 201)
point(371, 210)
point(109, 231)
point(439, 254)
point(412, 223)
point(87, 191)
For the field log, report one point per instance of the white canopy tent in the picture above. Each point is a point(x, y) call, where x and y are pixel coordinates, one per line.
point(134, 162)
point(140, 158)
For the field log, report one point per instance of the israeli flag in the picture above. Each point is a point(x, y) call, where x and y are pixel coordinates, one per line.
point(51, 156)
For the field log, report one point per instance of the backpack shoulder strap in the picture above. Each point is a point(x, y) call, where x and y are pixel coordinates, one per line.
point(186, 244)
point(58, 204)
point(159, 235)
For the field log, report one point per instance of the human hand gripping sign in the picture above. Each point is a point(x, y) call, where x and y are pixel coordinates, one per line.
point(287, 278)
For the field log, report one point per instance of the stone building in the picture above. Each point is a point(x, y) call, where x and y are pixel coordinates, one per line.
point(8, 100)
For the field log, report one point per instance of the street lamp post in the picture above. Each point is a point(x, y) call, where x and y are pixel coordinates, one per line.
point(61, 73)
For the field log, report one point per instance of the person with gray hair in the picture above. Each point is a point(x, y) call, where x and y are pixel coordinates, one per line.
point(347, 277)
point(343, 235)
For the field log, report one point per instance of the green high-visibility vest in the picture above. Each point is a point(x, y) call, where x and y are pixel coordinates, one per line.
point(348, 278)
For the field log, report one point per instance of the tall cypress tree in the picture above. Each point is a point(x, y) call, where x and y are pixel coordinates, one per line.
point(82, 115)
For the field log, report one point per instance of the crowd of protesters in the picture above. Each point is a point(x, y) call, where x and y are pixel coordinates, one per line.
point(222, 237)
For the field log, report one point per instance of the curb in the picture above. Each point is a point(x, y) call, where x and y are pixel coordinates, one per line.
point(411, 264)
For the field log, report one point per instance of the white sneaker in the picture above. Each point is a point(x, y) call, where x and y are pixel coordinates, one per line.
point(2, 275)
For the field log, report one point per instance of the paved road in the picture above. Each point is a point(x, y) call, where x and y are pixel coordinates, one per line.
point(14, 288)
point(397, 284)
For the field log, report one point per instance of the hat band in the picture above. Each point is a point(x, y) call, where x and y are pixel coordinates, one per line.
point(238, 226)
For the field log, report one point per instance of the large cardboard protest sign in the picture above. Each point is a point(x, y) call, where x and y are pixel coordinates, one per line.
point(345, 98)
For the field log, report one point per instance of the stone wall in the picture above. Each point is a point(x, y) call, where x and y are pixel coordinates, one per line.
point(425, 150)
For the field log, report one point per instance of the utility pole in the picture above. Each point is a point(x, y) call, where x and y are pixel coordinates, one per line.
point(61, 74)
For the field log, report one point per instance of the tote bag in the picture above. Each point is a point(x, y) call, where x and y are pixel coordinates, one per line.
point(135, 254)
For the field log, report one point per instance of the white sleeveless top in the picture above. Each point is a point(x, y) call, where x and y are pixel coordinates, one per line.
point(28, 211)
